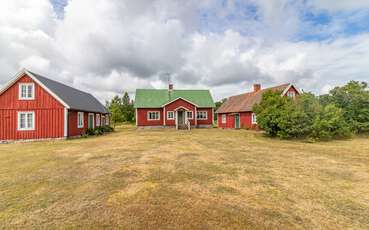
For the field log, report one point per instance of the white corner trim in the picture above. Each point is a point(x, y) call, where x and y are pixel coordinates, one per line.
point(66, 122)
point(136, 117)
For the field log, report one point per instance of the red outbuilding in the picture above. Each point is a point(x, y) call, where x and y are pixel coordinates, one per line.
point(174, 108)
point(35, 107)
point(237, 112)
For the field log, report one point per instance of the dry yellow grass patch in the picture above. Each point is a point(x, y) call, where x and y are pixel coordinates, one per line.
point(202, 179)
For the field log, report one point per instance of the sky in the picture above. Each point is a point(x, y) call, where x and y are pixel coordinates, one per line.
point(106, 47)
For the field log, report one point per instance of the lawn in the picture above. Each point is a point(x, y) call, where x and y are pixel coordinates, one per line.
point(202, 179)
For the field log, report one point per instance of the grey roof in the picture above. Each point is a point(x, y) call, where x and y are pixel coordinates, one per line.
point(74, 98)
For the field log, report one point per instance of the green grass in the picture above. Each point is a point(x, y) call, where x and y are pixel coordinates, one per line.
point(202, 179)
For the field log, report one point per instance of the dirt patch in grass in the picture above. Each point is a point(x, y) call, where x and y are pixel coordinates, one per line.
point(202, 179)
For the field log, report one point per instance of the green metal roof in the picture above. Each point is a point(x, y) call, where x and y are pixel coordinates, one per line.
point(155, 98)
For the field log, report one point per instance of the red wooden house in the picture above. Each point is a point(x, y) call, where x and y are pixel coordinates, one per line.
point(35, 107)
point(237, 113)
point(174, 108)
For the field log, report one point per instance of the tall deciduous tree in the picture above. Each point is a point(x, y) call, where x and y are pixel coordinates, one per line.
point(353, 99)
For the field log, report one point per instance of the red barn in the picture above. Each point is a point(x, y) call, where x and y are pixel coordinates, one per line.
point(35, 107)
point(237, 113)
point(174, 108)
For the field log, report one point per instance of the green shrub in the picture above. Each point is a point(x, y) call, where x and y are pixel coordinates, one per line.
point(108, 129)
point(330, 123)
point(99, 130)
point(303, 117)
point(90, 132)
point(353, 99)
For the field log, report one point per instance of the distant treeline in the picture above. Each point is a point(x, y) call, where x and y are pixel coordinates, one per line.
point(339, 114)
point(121, 109)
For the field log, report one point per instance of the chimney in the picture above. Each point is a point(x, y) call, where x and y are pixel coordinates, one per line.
point(257, 87)
point(170, 87)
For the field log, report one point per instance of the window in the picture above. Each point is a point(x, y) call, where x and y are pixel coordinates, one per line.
point(202, 115)
point(80, 120)
point(26, 91)
point(253, 119)
point(189, 115)
point(153, 116)
point(26, 121)
point(97, 119)
point(170, 115)
point(291, 94)
point(224, 118)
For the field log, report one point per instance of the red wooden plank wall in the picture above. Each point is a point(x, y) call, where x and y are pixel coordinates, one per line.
point(49, 113)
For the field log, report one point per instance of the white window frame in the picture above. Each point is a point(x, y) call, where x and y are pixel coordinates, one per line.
point(188, 115)
point(26, 97)
point(291, 94)
point(168, 117)
point(98, 121)
point(27, 126)
point(254, 119)
point(224, 118)
point(156, 119)
point(202, 112)
point(80, 124)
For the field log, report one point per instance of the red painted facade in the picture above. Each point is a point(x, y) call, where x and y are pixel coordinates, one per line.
point(177, 105)
point(74, 130)
point(245, 121)
point(49, 115)
point(245, 117)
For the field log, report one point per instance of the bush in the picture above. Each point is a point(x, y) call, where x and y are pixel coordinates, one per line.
point(303, 117)
point(90, 132)
point(353, 99)
point(99, 130)
point(330, 123)
point(108, 129)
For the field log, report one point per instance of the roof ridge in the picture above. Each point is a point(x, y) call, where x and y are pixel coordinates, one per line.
point(39, 75)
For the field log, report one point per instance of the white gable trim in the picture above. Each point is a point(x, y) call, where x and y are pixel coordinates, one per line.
point(181, 107)
point(178, 99)
point(25, 71)
point(288, 87)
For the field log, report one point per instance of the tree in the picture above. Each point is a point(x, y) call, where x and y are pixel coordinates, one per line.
point(220, 103)
point(121, 109)
point(330, 123)
point(115, 108)
point(271, 110)
point(353, 99)
point(303, 117)
point(128, 111)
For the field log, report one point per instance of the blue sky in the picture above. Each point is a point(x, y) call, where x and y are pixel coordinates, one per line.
point(221, 45)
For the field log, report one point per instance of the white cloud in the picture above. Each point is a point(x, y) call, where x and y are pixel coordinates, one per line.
point(106, 47)
point(341, 5)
